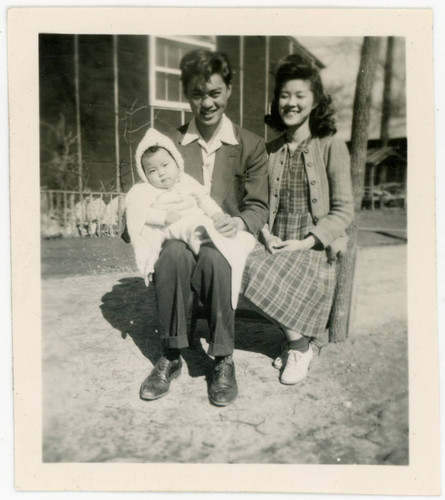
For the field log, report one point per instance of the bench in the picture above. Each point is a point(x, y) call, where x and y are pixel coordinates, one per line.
point(244, 310)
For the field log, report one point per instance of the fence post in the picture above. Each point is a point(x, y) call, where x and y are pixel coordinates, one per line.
point(88, 212)
point(120, 214)
point(64, 211)
point(110, 217)
point(57, 213)
point(101, 215)
point(73, 214)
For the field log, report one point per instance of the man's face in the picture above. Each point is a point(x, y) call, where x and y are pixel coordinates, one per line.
point(208, 101)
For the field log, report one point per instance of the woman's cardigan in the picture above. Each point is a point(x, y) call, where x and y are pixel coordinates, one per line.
point(327, 165)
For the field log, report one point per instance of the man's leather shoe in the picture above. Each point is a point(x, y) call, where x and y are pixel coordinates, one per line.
point(223, 389)
point(157, 383)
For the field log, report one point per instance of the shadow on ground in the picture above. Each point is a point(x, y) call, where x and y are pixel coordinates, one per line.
point(130, 307)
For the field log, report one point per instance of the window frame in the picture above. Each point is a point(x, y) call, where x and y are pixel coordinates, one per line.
point(154, 69)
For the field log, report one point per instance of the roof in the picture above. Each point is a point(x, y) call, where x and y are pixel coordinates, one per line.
point(305, 52)
point(374, 156)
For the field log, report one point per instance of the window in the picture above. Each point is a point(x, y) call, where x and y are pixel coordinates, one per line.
point(165, 54)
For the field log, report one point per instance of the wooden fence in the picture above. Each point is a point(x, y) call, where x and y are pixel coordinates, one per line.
point(81, 213)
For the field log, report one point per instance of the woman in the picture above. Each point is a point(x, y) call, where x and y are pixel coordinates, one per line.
point(292, 279)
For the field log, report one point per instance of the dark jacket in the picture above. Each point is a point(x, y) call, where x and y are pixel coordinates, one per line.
point(239, 182)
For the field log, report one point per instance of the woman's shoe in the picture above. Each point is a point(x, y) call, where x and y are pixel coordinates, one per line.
point(297, 366)
point(280, 361)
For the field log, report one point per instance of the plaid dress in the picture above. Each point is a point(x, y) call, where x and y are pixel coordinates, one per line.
point(294, 288)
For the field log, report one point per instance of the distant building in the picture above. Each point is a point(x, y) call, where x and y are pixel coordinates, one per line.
point(146, 69)
point(386, 174)
point(386, 163)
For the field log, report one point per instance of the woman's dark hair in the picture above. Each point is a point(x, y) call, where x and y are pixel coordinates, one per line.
point(321, 119)
point(203, 63)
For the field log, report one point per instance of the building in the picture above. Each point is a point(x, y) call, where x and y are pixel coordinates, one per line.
point(112, 88)
point(386, 174)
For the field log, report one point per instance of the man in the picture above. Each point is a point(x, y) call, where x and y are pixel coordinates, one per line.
point(232, 165)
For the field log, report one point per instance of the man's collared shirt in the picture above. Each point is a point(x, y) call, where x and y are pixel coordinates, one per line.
point(224, 134)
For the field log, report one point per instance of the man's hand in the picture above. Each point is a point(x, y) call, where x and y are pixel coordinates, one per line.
point(216, 218)
point(171, 217)
point(228, 226)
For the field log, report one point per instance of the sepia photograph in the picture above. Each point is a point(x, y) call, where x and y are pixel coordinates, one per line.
point(223, 255)
point(101, 97)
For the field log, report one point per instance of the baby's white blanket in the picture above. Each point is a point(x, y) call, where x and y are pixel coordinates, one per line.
point(147, 239)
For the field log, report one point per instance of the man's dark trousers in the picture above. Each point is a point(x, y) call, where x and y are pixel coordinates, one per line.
point(209, 275)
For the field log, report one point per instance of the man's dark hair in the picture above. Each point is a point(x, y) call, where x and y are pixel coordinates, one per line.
point(203, 63)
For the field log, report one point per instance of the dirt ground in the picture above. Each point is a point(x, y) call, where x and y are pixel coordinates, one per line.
point(100, 341)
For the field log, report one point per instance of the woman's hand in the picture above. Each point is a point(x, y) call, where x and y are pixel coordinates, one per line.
point(273, 243)
point(292, 245)
point(171, 217)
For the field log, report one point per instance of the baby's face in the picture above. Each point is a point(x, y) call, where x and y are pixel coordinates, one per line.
point(161, 169)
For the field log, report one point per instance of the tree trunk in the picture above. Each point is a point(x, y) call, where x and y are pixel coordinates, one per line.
point(116, 114)
point(78, 122)
point(339, 321)
point(386, 106)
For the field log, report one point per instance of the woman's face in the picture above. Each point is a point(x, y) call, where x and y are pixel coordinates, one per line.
point(295, 102)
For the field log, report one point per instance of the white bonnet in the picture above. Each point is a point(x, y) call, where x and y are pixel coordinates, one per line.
point(154, 138)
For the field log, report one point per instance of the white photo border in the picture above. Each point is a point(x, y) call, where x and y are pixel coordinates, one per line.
point(421, 477)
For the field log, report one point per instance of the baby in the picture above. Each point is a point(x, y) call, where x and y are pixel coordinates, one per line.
point(169, 204)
